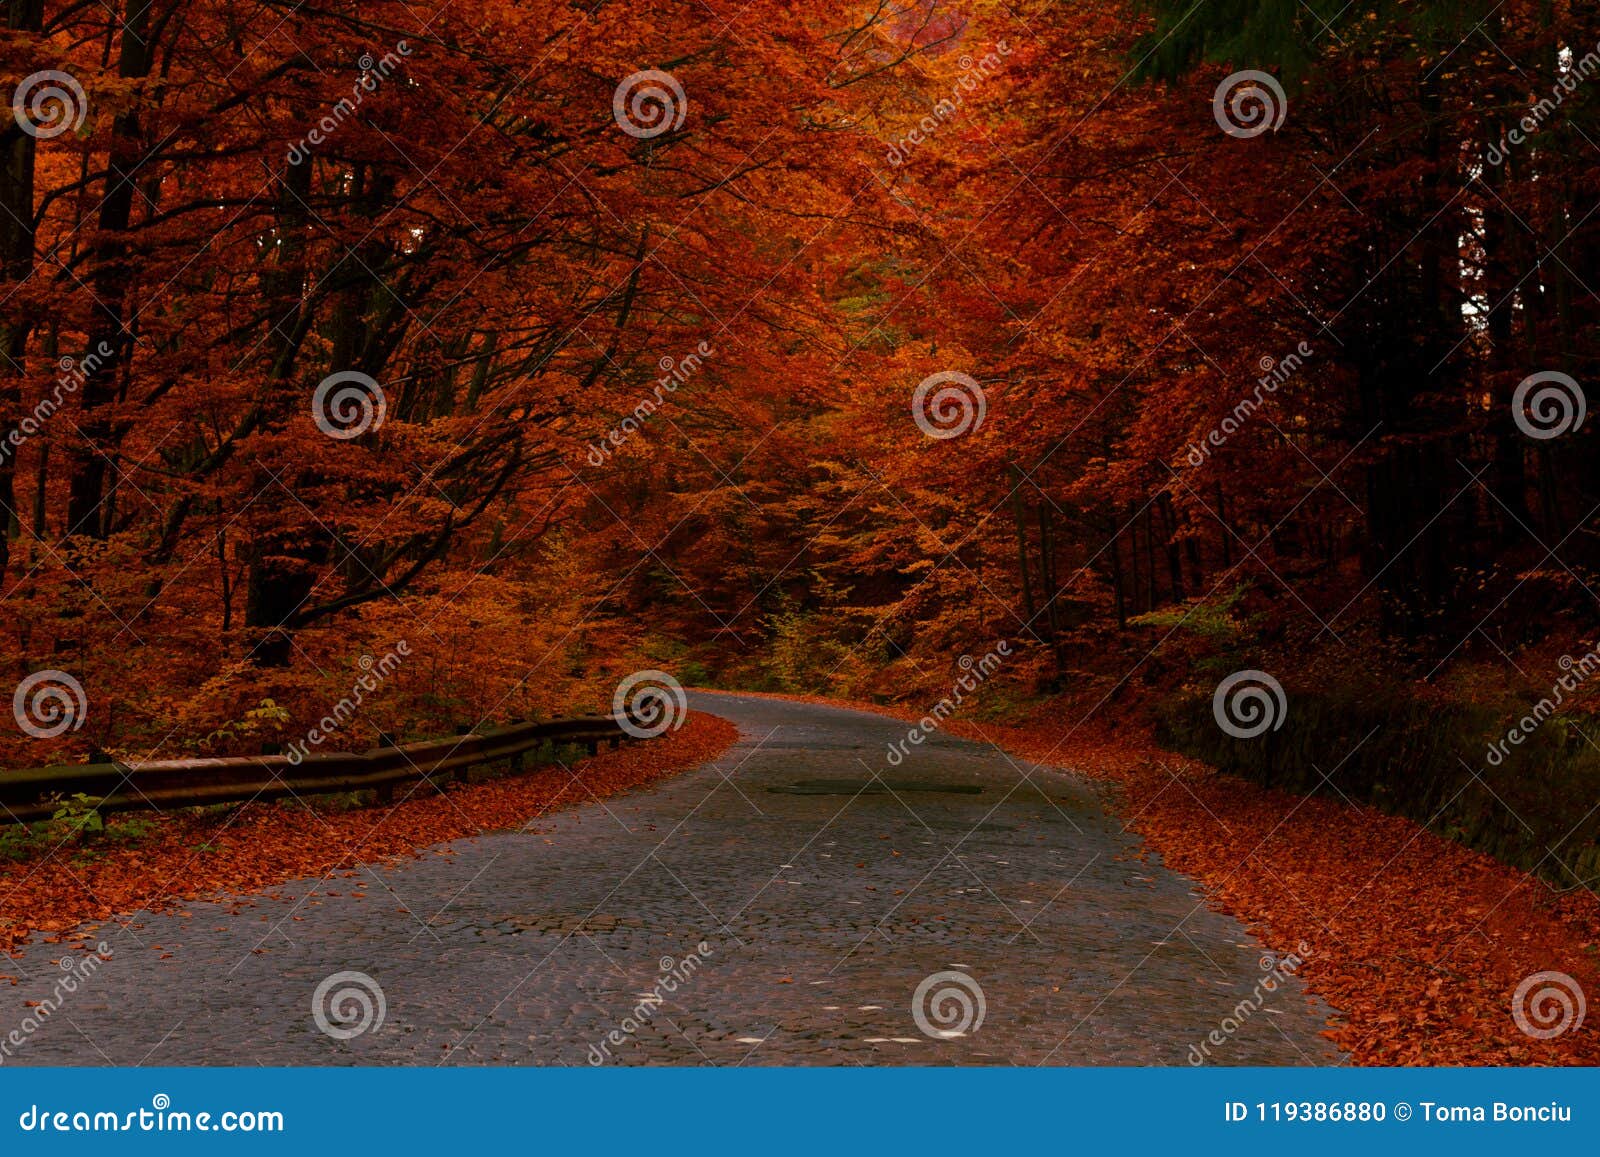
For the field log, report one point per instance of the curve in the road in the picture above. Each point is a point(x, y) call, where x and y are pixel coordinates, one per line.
point(798, 901)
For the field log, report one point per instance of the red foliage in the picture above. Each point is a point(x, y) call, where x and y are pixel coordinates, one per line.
point(637, 398)
point(1417, 941)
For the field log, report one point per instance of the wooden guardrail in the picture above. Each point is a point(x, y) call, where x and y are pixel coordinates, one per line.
point(35, 793)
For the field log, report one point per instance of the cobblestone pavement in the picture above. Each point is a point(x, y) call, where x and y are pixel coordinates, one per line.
point(820, 907)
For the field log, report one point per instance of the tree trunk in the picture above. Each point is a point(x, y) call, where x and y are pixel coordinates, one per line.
point(110, 279)
point(16, 264)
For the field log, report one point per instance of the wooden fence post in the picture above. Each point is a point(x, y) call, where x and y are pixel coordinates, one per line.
point(385, 791)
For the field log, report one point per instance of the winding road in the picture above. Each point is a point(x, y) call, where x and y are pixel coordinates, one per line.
point(779, 906)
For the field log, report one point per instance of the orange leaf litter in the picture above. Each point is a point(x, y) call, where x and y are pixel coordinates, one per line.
point(1419, 942)
point(193, 855)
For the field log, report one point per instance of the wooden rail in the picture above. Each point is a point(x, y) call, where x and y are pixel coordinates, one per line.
point(34, 793)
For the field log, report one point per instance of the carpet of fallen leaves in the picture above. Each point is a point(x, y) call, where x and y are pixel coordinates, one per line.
point(1419, 942)
point(195, 855)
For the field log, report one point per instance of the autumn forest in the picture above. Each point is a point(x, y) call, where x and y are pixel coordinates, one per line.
point(1190, 392)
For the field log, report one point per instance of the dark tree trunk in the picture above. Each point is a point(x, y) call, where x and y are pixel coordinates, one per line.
point(87, 457)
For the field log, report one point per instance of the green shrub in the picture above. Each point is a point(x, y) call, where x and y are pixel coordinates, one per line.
point(1430, 762)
